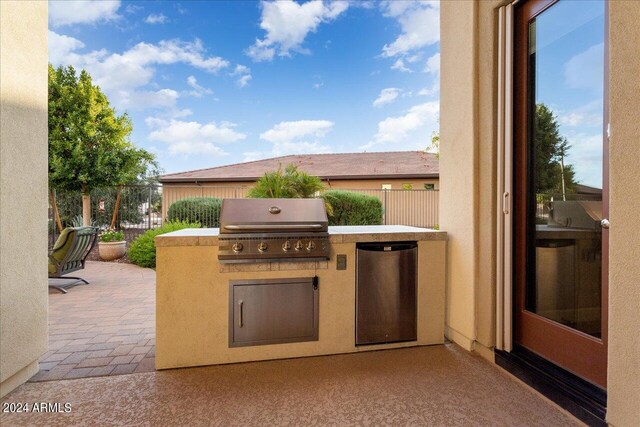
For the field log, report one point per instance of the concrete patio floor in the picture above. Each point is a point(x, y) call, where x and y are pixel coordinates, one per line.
point(439, 385)
point(104, 328)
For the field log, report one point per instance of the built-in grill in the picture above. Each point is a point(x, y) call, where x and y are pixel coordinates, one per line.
point(272, 230)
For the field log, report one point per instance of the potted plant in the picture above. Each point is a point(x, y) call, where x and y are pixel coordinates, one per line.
point(112, 245)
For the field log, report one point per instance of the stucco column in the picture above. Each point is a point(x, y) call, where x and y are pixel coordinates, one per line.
point(623, 384)
point(23, 190)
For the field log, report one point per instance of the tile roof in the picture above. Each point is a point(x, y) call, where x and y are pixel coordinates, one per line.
point(396, 164)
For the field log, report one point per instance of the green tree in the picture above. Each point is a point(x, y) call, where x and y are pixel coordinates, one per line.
point(290, 183)
point(89, 144)
point(435, 143)
point(551, 149)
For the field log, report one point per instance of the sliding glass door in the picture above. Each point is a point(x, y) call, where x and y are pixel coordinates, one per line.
point(560, 184)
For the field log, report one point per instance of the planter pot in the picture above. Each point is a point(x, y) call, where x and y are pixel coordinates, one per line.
point(112, 250)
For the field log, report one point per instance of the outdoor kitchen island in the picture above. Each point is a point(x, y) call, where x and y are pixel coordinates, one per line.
point(196, 316)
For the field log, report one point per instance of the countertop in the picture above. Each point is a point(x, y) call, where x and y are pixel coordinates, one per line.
point(338, 234)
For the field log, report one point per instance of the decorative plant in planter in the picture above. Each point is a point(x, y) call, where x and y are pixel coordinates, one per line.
point(112, 245)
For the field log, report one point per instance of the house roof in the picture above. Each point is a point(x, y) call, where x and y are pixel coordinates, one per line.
point(585, 189)
point(385, 165)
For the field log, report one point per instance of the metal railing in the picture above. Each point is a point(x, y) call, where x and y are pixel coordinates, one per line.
point(144, 207)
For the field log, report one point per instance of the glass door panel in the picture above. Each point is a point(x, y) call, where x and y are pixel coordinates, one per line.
point(560, 185)
point(566, 63)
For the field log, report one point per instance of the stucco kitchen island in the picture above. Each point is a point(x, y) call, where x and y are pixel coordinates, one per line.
point(193, 296)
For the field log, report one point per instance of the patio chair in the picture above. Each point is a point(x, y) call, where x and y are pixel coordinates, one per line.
point(69, 254)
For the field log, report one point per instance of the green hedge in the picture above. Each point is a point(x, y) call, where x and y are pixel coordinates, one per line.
point(143, 250)
point(353, 208)
point(203, 210)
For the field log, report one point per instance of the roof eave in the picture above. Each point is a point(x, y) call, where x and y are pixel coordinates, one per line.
point(191, 180)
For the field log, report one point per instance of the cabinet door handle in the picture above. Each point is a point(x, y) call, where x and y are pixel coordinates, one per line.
point(241, 314)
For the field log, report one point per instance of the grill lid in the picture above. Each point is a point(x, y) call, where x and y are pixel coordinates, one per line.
point(273, 216)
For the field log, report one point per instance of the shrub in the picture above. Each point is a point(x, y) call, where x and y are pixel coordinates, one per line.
point(143, 250)
point(112, 236)
point(350, 208)
point(203, 210)
point(290, 184)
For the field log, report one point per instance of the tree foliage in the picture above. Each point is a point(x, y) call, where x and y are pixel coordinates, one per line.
point(435, 143)
point(89, 144)
point(203, 210)
point(551, 148)
point(349, 208)
point(143, 250)
point(290, 183)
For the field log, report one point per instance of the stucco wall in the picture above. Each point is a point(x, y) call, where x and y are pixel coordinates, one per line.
point(192, 320)
point(468, 106)
point(458, 160)
point(23, 189)
point(624, 237)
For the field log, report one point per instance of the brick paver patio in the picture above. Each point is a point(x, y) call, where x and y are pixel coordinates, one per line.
point(104, 328)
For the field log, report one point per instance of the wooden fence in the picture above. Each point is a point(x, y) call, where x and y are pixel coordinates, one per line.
point(418, 208)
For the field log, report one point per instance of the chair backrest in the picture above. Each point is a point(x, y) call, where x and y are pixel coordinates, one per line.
point(73, 247)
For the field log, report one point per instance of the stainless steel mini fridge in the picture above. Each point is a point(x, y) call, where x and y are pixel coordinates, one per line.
point(386, 292)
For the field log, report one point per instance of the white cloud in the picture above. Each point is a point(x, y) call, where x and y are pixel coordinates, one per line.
point(287, 24)
point(399, 65)
point(244, 75)
point(198, 90)
point(397, 129)
point(187, 138)
point(289, 131)
point(121, 74)
point(60, 46)
point(318, 85)
point(241, 69)
point(585, 70)
point(82, 12)
point(430, 90)
point(433, 65)
point(141, 100)
point(387, 96)
point(589, 114)
point(156, 18)
point(419, 22)
point(132, 8)
point(585, 155)
point(294, 137)
point(250, 156)
point(244, 80)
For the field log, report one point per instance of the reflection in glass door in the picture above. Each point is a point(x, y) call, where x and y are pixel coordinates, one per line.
point(559, 160)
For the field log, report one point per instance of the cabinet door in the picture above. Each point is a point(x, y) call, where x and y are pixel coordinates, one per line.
point(272, 311)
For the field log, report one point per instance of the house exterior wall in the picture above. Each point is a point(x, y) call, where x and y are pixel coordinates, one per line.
point(468, 114)
point(624, 236)
point(458, 165)
point(23, 190)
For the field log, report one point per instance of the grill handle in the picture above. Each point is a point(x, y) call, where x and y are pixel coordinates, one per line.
point(249, 227)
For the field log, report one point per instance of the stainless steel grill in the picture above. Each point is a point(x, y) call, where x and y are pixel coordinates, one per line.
point(272, 230)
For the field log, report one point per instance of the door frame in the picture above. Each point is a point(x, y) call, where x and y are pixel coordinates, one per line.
point(558, 343)
point(580, 397)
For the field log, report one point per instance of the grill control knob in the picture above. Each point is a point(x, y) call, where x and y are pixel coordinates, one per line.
point(299, 245)
point(262, 246)
point(237, 247)
point(311, 246)
point(286, 246)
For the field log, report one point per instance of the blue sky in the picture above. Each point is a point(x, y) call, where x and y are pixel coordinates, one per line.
point(569, 70)
point(211, 83)
point(208, 83)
